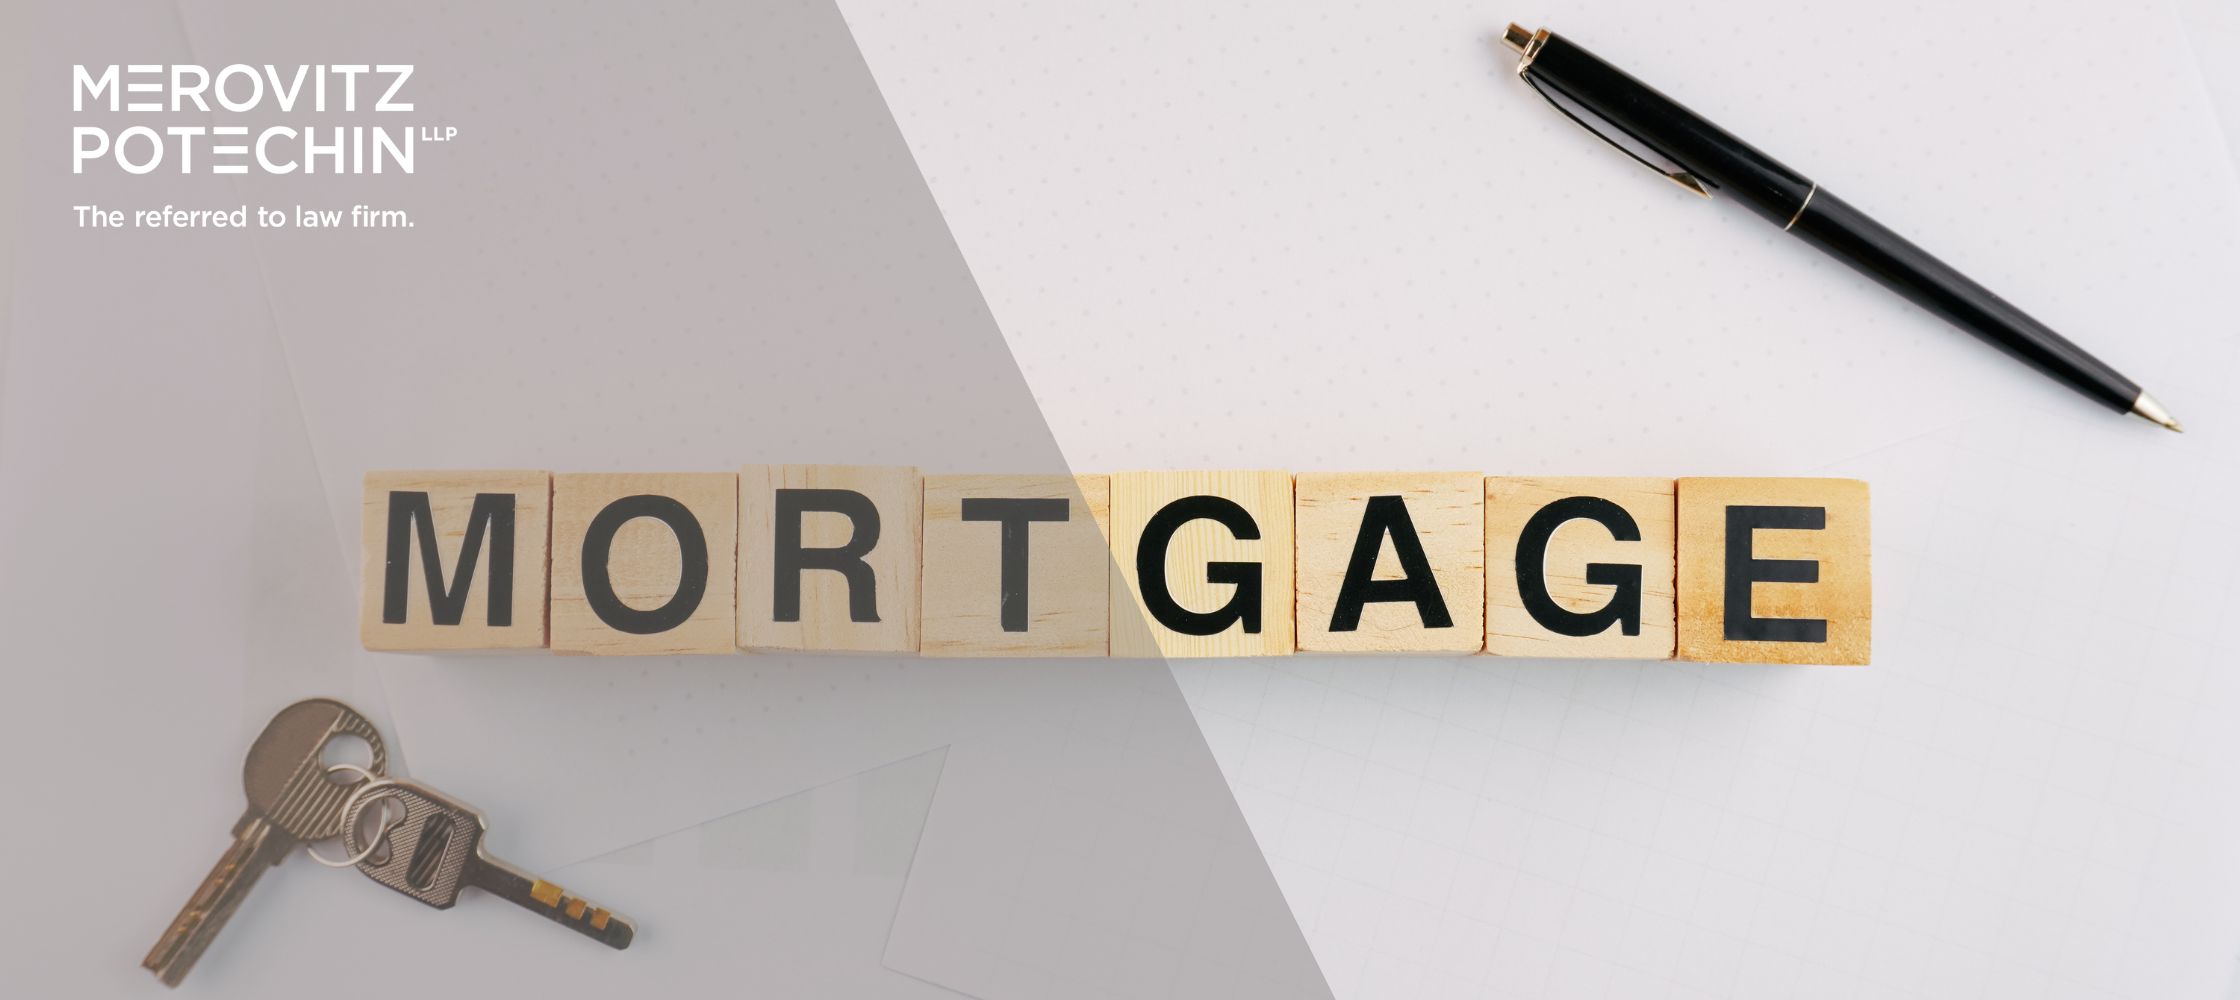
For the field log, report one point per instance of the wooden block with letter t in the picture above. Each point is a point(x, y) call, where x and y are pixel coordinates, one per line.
point(1202, 564)
point(1579, 567)
point(1775, 571)
point(453, 560)
point(1391, 562)
point(1017, 566)
point(642, 562)
point(828, 557)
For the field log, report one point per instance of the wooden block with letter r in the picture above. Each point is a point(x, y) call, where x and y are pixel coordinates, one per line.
point(1202, 564)
point(828, 557)
point(642, 562)
point(1775, 571)
point(1017, 566)
point(1579, 567)
point(453, 560)
point(1391, 562)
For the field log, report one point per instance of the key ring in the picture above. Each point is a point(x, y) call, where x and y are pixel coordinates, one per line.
point(367, 782)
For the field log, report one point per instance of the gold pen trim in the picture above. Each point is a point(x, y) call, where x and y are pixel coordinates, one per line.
point(1526, 44)
point(1529, 46)
point(1801, 206)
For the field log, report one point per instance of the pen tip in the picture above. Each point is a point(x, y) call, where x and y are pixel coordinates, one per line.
point(2146, 407)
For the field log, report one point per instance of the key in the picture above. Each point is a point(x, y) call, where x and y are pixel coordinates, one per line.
point(435, 851)
point(291, 800)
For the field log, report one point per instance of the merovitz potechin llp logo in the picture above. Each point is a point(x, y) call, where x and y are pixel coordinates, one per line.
point(237, 92)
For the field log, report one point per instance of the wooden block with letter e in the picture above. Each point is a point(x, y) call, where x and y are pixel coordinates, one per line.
point(454, 560)
point(1016, 566)
point(1579, 567)
point(1775, 571)
point(828, 557)
point(642, 562)
point(1391, 562)
point(1202, 564)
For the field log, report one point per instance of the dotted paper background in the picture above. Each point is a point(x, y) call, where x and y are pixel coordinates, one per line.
point(1344, 236)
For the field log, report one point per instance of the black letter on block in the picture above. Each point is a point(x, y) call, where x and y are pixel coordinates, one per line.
point(492, 512)
point(1744, 570)
point(1532, 570)
point(1151, 567)
point(1015, 515)
point(1388, 515)
point(847, 560)
point(692, 576)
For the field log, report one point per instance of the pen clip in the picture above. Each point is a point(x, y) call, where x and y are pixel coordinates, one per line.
point(1676, 176)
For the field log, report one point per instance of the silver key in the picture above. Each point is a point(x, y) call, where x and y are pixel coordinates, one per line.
point(435, 851)
point(291, 800)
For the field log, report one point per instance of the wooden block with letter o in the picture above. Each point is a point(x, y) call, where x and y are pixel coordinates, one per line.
point(642, 562)
point(1016, 566)
point(828, 557)
point(1391, 562)
point(1579, 567)
point(1774, 571)
point(1202, 563)
point(454, 560)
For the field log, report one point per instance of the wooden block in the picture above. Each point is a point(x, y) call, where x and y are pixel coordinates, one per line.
point(828, 559)
point(1219, 548)
point(1775, 571)
point(1391, 562)
point(424, 587)
point(1579, 567)
point(642, 562)
point(1017, 566)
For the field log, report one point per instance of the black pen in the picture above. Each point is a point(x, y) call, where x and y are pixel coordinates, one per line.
point(1706, 158)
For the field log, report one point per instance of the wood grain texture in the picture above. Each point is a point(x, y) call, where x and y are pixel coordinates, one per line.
point(644, 562)
point(1839, 553)
point(451, 496)
point(1066, 602)
point(896, 493)
point(1266, 498)
point(1511, 628)
point(1447, 510)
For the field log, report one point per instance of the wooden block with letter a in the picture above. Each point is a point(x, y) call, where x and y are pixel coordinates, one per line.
point(1775, 571)
point(642, 562)
point(454, 560)
point(1391, 562)
point(828, 557)
point(1579, 567)
point(1017, 566)
point(1202, 564)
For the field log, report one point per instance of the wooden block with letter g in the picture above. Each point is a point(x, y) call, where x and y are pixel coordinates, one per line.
point(642, 562)
point(1579, 567)
point(1202, 562)
point(453, 560)
point(1016, 566)
point(1775, 571)
point(1391, 562)
point(828, 557)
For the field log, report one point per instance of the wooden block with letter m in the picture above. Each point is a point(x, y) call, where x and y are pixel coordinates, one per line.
point(454, 560)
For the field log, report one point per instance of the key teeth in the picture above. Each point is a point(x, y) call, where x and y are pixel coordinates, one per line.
point(581, 914)
point(613, 931)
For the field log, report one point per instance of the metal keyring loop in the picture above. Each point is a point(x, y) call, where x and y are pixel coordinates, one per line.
point(368, 782)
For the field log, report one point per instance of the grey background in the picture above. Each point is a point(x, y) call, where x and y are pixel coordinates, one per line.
point(670, 236)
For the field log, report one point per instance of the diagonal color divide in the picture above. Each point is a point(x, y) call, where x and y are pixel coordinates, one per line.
point(687, 238)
